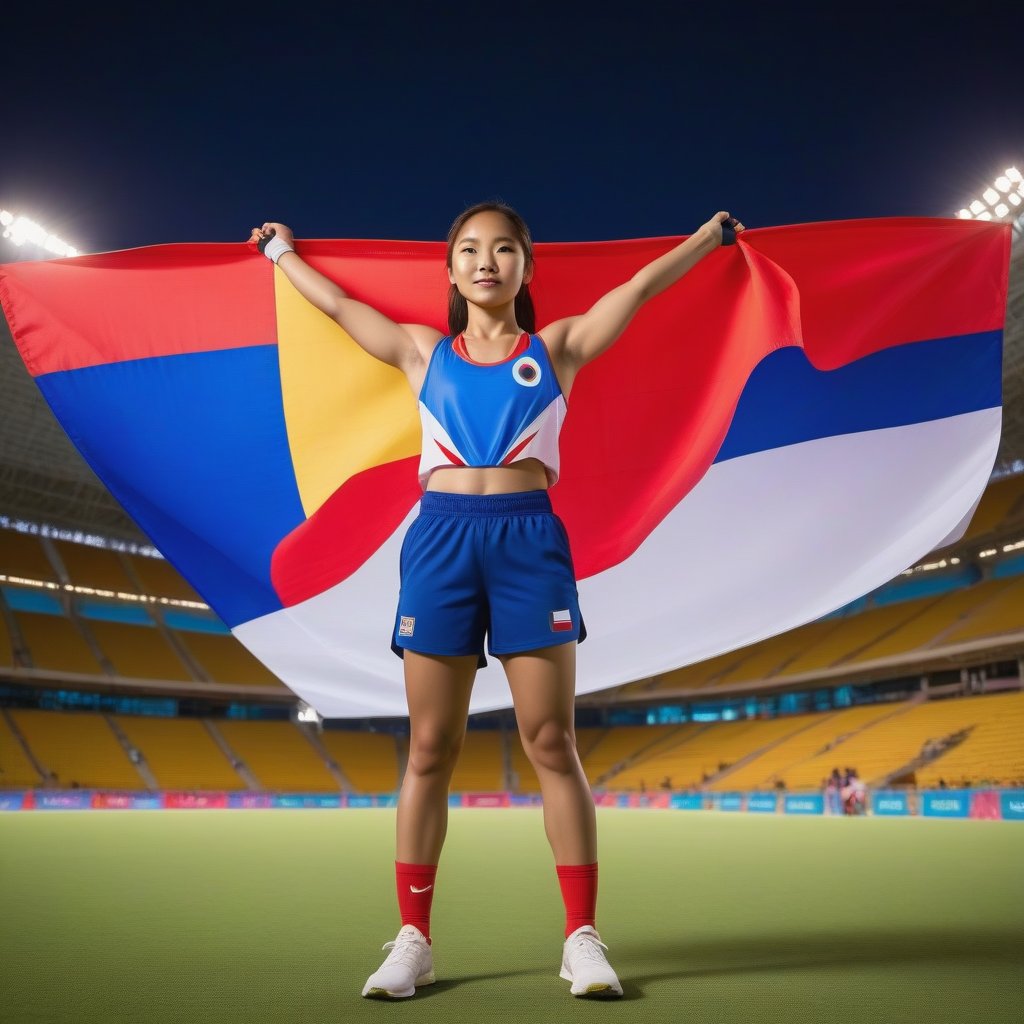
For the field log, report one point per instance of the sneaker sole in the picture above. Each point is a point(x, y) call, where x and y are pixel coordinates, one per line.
point(598, 989)
point(384, 993)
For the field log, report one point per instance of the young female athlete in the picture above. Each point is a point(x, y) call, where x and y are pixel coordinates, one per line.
point(487, 554)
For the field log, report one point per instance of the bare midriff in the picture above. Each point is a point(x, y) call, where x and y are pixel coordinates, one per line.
point(525, 475)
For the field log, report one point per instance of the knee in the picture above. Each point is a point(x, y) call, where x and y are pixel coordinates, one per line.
point(552, 748)
point(433, 752)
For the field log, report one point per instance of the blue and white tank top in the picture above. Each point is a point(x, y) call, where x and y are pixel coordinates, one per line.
point(490, 414)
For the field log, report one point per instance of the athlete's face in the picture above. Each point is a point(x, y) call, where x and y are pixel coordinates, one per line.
point(488, 261)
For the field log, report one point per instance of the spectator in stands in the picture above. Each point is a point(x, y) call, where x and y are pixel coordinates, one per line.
point(833, 786)
point(666, 783)
point(854, 793)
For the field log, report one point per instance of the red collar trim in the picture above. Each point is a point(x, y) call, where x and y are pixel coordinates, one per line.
point(459, 345)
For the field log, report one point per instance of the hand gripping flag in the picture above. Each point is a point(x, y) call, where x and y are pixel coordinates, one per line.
point(796, 421)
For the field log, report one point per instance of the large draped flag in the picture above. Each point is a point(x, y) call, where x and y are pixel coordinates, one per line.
point(796, 421)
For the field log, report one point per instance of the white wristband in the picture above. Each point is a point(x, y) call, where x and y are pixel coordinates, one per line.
point(276, 248)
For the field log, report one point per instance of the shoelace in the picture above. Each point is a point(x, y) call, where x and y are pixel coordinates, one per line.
point(403, 951)
point(585, 946)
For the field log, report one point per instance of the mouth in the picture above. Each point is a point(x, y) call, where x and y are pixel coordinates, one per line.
point(487, 282)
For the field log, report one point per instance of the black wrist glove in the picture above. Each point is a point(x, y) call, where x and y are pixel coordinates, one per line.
point(728, 232)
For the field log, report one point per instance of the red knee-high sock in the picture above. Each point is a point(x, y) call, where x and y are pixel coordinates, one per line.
point(415, 892)
point(579, 892)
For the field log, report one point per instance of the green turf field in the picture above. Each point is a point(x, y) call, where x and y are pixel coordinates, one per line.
point(278, 916)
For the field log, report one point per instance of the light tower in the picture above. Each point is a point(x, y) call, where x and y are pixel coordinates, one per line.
point(30, 239)
point(1003, 200)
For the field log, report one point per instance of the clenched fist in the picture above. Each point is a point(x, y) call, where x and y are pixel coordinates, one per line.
point(714, 226)
point(281, 231)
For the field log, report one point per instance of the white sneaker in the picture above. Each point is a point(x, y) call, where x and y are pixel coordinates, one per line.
point(586, 967)
point(410, 963)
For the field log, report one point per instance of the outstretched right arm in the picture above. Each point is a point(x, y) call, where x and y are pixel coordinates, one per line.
point(400, 345)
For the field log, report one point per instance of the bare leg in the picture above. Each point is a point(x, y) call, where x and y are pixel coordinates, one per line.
point(543, 684)
point(438, 690)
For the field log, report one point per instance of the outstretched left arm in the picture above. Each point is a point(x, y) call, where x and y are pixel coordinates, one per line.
point(575, 340)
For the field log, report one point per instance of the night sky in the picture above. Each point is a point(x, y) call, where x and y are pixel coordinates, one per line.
point(172, 124)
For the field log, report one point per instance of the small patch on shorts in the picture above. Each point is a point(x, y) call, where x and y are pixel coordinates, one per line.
point(407, 625)
point(561, 621)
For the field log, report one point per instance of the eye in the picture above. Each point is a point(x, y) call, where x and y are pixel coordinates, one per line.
point(468, 248)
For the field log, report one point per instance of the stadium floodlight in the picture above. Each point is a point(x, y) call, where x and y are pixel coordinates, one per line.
point(21, 230)
point(999, 201)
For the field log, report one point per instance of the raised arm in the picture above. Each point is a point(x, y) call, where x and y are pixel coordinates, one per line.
point(401, 345)
point(575, 340)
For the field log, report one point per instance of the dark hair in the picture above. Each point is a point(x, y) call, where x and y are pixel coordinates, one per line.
point(458, 310)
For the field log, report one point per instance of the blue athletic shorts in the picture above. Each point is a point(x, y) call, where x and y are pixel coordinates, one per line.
point(486, 563)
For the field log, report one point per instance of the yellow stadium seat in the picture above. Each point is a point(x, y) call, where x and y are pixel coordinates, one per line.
point(138, 652)
point(54, 643)
point(94, 567)
point(77, 747)
point(772, 656)
point(180, 753)
point(369, 760)
point(692, 677)
point(161, 579)
point(225, 659)
point(480, 766)
point(701, 751)
point(1001, 499)
point(16, 770)
point(935, 616)
point(852, 633)
point(811, 734)
point(6, 647)
point(888, 744)
point(1003, 614)
point(22, 555)
point(279, 756)
point(992, 754)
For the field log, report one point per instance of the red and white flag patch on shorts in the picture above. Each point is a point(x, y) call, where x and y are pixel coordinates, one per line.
point(561, 621)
